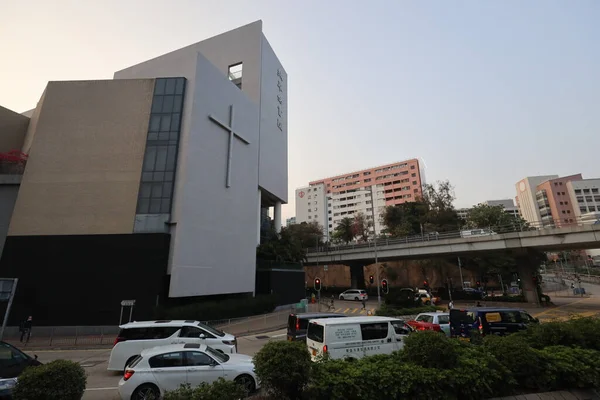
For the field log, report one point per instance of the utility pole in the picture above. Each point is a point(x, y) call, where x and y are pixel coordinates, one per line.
point(462, 281)
point(375, 246)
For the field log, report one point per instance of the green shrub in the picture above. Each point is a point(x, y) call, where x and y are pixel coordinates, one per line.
point(218, 390)
point(283, 368)
point(223, 309)
point(570, 368)
point(57, 380)
point(526, 365)
point(388, 311)
point(430, 349)
point(508, 299)
point(578, 333)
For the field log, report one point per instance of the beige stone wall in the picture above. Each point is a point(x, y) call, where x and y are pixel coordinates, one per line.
point(13, 127)
point(85, 159)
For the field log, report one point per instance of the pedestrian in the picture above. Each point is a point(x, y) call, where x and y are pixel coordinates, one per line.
point(364, 304)
point(478, 304)
point(450, 305)
point(26, 329)
point(332, 306)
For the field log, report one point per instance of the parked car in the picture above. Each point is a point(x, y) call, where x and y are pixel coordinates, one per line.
point(488, 321)
point(135, 337)
point(12, 362)
point(433, 321)
point(355, 337)
point(354, 294)
point(164, 368)
point(298, 324)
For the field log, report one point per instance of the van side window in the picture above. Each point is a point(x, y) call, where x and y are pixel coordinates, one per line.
point(374, 331)
point(149, 333)
point(526, 317)
point(401, 328)
point(510, 316)
point(193, 332)
point(169, 360)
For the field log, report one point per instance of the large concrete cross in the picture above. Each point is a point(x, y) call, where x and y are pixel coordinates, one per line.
point(232, 134)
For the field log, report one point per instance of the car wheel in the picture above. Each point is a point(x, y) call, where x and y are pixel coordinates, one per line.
point(341, 297)
point(356, 298)
point(146, 392)
point(247, 382)
point(129, 360)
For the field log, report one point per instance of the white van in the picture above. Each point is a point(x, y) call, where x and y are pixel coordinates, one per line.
point(355, 337)
point(477, 233)
point(137, 336)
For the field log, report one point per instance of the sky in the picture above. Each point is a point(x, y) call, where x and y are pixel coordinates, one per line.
point(485, 92)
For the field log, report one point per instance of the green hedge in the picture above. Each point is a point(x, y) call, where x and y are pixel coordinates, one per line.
point(388, 311)
point(223, 309)
point(432, 366)
point(218, 390)
point(57, 380)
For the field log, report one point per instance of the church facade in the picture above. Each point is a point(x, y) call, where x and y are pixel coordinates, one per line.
point(151, 185)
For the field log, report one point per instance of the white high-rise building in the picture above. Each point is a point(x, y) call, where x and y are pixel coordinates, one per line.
point(354, 202)
point(585, 196)
point(311, 206)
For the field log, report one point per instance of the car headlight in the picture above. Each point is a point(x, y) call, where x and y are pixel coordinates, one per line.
point(6, 384)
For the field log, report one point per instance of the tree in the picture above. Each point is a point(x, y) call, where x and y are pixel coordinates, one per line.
point(344, 231)
point(309, 234)
point(441, 215)
point(360, 227)
point(291, 243)
point(405, 219)
point(494, 217)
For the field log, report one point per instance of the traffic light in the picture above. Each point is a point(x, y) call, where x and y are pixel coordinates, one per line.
point(317, 284)
point(426, 284)
point(371, 279)
point(384, 286)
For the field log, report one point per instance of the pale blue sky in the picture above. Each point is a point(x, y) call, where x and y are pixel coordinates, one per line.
point(487, 92)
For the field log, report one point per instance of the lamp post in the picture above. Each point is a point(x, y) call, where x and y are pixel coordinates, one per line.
point(375, 246)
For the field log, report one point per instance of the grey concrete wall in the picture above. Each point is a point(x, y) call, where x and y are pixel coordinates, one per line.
point(214, 243)
point(13, 128)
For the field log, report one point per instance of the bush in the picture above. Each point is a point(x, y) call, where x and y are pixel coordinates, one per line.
point(57, 380)
point(430, 349)
point(570, 368)
point(218, 390)
point(388, 311)
point(508, 299)
point(581, 332)
point(283, 368)
point(213, 310)
point(527, 366)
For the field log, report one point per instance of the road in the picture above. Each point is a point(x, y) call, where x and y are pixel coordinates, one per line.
point(102, 384)
point(569, 306)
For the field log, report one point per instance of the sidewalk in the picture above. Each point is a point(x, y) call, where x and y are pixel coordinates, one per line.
point(560, 395)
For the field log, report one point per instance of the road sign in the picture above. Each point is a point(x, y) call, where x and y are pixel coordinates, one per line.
point(127, 303)
point(325, 268)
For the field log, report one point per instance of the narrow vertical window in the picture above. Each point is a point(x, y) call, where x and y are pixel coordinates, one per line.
point(235, 74)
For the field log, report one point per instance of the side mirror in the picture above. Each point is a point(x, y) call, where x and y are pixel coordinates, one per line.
point(202, 336)
point(35, 356)
point(214, 363)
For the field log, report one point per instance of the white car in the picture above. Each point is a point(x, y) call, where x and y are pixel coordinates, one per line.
point(166, 368)
point(354, 294)
point(135, 337)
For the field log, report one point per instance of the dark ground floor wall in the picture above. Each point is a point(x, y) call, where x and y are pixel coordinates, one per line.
point(284, 280)
point(81, 280)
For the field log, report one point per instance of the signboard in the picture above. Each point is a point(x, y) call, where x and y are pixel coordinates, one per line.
point(127, 303)
point(493, 317)
point(325, 268)
point(346, 333)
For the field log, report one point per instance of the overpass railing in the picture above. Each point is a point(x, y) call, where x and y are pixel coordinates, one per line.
point(465, 233)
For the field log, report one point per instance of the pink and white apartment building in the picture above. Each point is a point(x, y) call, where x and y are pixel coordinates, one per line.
point(329, 200)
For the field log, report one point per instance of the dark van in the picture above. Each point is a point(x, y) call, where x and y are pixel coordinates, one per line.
point(298, 324)
point(488, 321)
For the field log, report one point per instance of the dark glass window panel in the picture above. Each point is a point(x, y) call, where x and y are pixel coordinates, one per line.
point(154, 206)
point(159, 177)
point(180, 84)
point(172, 156)
point(175, 122)
point(163, 136)
point(173, 136)
point(165, 206)
point(147, 177)
point(167, 189)
point(165, 123)
point(167, 105)
point(159, 86)
point(152, 136)
point(177, 101)
point(143, 206)
point(161, 158)
point(149, 158)
point(157, 190)
point(170, 86)
point(157, 104)
point(154, 123)
point(145, 190)
point(169, 176)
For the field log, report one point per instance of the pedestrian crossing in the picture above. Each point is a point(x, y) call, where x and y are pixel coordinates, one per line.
point(354, 311)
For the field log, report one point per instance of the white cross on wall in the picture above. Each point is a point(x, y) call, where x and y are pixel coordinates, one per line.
point(232, 134)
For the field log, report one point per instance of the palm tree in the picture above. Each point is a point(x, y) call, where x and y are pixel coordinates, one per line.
point(344, 231)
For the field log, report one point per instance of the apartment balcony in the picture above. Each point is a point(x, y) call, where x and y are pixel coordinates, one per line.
point(12, 167)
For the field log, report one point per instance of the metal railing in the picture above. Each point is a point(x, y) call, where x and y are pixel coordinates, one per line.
point(556, 224)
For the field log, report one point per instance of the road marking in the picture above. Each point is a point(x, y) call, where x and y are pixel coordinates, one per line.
point(363, 311)
point(346, 310)
point(556, 308)
point(338, 310)
point(283, 334)
point(106, 388)
point(354, 310)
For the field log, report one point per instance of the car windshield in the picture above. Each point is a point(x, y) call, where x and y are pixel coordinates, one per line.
point(220, 357)
point(212, 330)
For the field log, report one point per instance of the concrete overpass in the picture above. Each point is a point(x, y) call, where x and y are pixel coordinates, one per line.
point(519, 244)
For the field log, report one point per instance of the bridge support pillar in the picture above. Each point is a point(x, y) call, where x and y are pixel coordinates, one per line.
point(357, 275)
point(527, 268)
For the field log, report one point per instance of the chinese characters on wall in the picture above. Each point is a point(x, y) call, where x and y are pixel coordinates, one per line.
point(279, 99)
